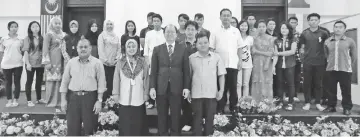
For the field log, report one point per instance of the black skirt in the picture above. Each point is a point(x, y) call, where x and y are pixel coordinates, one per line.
point(133, 121)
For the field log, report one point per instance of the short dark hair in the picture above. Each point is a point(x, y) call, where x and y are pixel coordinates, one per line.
point(313, 15)
point(150, 14)
point(199, 16)
point(193, 23)
point(262, 21)
point(184, 16)
point(341, 22)
point(250, 14)
point(270, 19)
point(201, 34)
point(293, 18)
point(176, 30)
point(225, 9)
point(127, 22)
point(157, 16)
point(12, 22)
point(244, 21)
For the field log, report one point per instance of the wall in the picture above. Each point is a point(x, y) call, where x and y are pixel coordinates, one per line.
point(352, 22)
point(23, 12)
point(169, 9)
point(328, 9)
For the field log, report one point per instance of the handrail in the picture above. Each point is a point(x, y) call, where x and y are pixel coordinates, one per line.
point(341, 18)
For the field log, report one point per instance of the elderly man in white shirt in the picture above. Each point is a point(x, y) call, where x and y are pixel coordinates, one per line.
point(227, 42)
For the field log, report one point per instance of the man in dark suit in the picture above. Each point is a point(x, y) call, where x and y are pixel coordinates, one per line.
point(169, 80)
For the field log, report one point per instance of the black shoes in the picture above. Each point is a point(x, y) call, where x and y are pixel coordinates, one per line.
point(346, 112)
point(330, 109)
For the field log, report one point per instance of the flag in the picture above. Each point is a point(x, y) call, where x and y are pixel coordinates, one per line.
point(49, 9)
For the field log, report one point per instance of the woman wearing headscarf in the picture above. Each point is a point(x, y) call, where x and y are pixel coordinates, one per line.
point(92, 35)
point(131, 90)
point(72, 39)
point(109, 52)
point(54, 59)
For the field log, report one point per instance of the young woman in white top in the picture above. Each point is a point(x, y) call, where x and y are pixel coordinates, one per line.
point(245, 73)
point(11, 63)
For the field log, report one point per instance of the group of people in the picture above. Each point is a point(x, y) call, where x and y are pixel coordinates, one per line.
point(187, 70)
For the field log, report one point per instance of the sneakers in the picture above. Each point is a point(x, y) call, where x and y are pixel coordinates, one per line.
point(41, 101)
point(15, 104)
point(148, 105)
point(307, 106)
point(30, 104)
point(319, 107)
point(9, 104)
point(289, 107)
point(296, 99)
point(186, 128)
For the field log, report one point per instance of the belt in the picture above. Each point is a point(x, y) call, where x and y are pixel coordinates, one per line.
point(82, 92)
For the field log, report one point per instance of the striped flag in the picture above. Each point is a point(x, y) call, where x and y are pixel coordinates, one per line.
point(49, 9)
point(44, 21)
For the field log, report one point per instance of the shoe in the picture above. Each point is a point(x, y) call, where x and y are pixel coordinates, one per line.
point(330, 109)
point(186, 128)
point(306, 107)
point(280, 106)
point(286, 99)
point(30, 104)
point(149, 106)
point(15, 104)
point(296, 99)
point(346, 112)
point(289, 107)
point(9, 104)
point(41, 101)
point(319, 107)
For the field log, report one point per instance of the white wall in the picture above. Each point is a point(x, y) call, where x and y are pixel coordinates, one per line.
point(122, 10)
point(351, 22)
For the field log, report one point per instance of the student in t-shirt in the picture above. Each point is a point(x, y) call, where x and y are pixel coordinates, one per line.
point(12, 63)
point(130, 33)
point(312, 50)
point(205, 67)
point(245, 73)
point(199, 19)
point(145, 30)
point(182, 19)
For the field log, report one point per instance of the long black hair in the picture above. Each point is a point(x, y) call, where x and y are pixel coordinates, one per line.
point(126, 30)
point(31, 36)
point(290, 36)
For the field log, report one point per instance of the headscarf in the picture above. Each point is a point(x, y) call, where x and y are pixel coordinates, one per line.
point(51, 28)
point(91, 36)
point(77, 24)
point(136, 44)
point(105, 31)
point(140, 63)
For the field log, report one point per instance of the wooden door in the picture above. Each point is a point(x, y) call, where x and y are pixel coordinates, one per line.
point(266, 12)
point(83, 15)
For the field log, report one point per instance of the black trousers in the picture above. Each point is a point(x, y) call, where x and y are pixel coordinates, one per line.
point(204, 107)
point(298, 78)
point(109, 76)
point(313, 76)
point(38, 82)
point(80, 110)
point(285, 77)
point(187, 113)
point(132, 121)
point(344, 79)
point(231, 86)
point(8, 75)
point(165, 102)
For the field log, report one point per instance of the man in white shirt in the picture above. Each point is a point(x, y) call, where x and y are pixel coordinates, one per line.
point(154, 37)
point(227, 42)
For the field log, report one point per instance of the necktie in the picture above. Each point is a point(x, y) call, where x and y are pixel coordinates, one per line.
point(170, 50)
